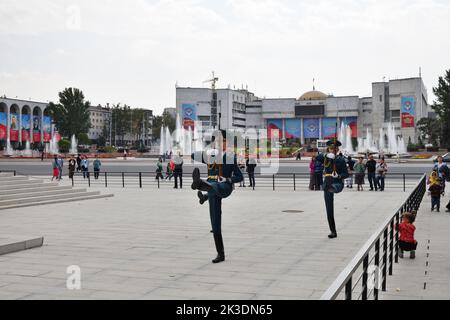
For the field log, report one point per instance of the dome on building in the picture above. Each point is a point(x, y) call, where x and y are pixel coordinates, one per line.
point(313, 95)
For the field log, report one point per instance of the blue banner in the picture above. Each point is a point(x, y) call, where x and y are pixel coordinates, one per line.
point(311, 128)
point(292, 129)
point(274, 124)
point(408, 112)
point(26, 122)
point(3, 124)
point(329, 128)
point(189, 114)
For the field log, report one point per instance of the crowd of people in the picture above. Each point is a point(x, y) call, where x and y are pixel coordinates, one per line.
point(174, 169)
point(376, 173)
point(78, 164)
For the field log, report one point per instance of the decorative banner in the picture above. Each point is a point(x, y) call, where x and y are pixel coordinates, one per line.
point(292, 128)
point(47, 126)
point(408, 112)
point(26, 127)
point(329, 128)
point(14, 127)
point(189, 113)
point(36, 128)
point(274, 124)
point(311, 128)
point(3, 124)
point(353, 123)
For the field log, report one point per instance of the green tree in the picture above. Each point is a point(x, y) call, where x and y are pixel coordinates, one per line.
point(121, 116)
point(64, 146)
point(83, 139)
point(71, 114)
point(165, 120)
point(429, 128)
point(442, 107)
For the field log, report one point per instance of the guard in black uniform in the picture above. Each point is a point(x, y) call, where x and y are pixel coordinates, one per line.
point(335, 171)
point(219, 185)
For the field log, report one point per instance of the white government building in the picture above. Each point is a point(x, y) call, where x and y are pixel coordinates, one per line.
point(313, 115)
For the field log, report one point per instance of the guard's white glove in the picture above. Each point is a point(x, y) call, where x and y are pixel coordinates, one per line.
point(330, 156)
point(335, 175)
point(212, 152)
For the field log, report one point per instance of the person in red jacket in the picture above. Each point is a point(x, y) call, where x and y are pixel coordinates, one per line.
point(407, 241)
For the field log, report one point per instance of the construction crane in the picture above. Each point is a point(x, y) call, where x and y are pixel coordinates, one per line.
point(213, 81)
point(214, 121)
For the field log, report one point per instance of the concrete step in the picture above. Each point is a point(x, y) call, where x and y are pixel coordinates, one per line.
point(12, 178)
point(14, 244)
point(6, 174)
point(39, 193)
point(9, 184)
point(48, 197)
point(45, 202)
point(32, 187)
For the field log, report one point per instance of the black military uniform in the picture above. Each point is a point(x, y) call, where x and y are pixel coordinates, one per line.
point(335, 171)
point(219, 185)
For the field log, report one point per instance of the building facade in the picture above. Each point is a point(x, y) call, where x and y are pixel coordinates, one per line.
point(100, 118)
point(313, 115)
point(23, 120)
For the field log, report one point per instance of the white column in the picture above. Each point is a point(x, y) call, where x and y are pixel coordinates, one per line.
point(42, 125)
point(8, 122)
point(20, 125)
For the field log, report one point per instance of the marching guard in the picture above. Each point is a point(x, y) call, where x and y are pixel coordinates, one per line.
point(335, 171)
point(219, 185)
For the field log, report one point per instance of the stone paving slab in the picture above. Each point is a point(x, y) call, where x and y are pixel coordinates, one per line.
point(427, 276)
point(156, 244)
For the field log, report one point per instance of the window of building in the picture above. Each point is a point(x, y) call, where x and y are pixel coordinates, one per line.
point(381, 98)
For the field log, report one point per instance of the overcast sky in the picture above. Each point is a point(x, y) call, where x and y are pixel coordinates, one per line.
point(134, 51)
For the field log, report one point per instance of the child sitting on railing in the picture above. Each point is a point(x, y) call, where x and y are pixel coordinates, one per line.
point(406, 229)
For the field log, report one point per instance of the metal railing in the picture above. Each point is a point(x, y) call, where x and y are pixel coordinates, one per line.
point(9, 171)
point(378, 264)
point(280, 181)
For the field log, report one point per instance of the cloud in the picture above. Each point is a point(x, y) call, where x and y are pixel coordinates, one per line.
point(275, 46)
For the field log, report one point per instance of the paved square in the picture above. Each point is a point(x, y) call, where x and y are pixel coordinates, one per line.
point(156, 244)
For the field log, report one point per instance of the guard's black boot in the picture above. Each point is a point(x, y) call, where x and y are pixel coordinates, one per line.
point(218, 241)
point(332, 235)
point(197, 183)
point(202, 197)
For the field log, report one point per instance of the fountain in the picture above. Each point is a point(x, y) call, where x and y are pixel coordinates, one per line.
point(198, 144)
point(73, 145)
point(54, 149)
point(395, 145)
point(27, 152)
point(168, 141)
point(345, 137)
point(162, 142)
point(9, 150)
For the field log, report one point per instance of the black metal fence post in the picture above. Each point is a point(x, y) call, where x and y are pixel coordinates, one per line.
point(397, 220)
point(294, 181)
point(377, 268)
point(273, 182)
point(72, 182)
point(404, 183)
point(365, 277)
point(391, 246)
point(89, 178)
point(123, 179)
point(348, 290)
point(385, 242)
point(158, 182)
point(140, 180)
point(106, 179)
